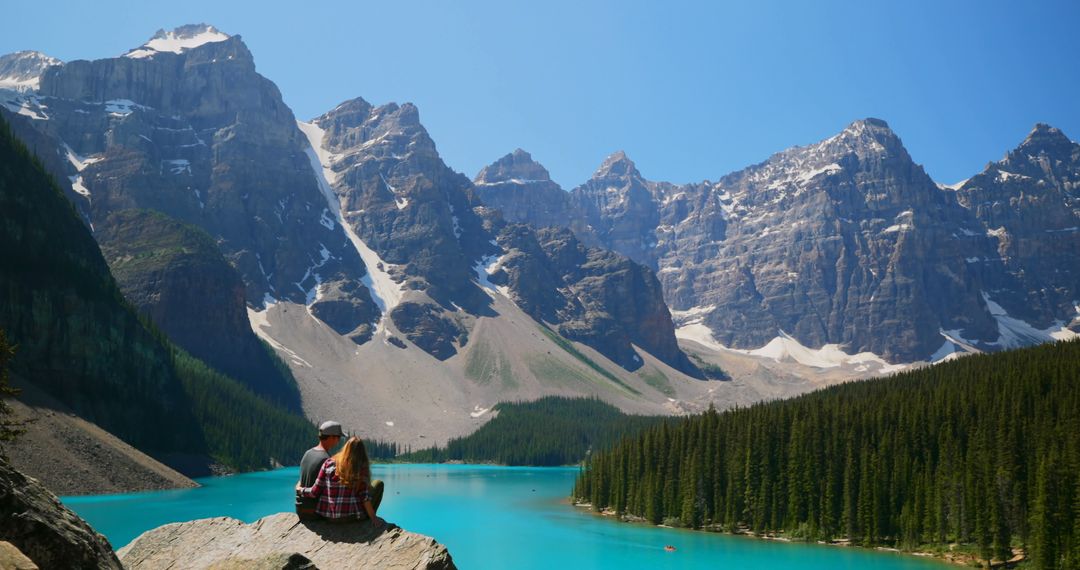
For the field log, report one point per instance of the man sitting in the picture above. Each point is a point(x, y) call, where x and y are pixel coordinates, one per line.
point(329, 435)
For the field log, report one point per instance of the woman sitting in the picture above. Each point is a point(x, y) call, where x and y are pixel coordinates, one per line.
point(344, 486)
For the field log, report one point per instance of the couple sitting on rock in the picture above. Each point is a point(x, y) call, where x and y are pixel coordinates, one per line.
point(338, 488)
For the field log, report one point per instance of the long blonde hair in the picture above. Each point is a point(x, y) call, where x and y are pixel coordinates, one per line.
point(353, 467)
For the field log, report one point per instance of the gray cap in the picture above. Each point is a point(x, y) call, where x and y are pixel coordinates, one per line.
point(330, 428)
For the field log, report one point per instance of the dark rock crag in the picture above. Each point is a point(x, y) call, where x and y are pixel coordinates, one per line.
point(45, 531)
point(591, 295)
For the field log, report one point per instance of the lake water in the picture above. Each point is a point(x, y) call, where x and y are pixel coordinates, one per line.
point(488, 517)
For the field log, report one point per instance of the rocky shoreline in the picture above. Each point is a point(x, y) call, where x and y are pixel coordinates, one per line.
point(952, 556)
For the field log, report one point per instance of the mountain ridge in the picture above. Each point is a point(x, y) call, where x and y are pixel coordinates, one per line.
point(863, 176)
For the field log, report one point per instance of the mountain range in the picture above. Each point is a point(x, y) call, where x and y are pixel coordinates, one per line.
point(846, 242)
point(408, 300)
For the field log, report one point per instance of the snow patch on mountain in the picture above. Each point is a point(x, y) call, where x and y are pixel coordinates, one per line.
point(1015, 333)
point(785, 348)
point(178, 40)
point(692, 315)
point(25, 105)
point(384, 290)
point(485, 268)
point(400, 201)
point(121, 107)
point(80, 163)
point(21, 71)
point(948, 351)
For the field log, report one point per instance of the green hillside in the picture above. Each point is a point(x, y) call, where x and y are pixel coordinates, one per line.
point(549, 431)
point(174, 274)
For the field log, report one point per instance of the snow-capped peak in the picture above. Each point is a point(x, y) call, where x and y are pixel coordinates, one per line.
point(182, 38)
point(21, 71)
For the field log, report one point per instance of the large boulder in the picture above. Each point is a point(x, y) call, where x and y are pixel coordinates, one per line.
point(226, 543)
point(45, 531)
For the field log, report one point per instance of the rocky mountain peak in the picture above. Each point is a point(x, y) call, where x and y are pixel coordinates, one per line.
point(183, 38)
point(516, 166)
point(21, 71)
point(350, 114)
point(868, 132)
point(357, 105)
point(617, 165)
point(408, 115)
point(1044, 138)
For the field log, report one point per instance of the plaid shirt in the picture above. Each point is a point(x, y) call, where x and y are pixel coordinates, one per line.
point(336, 501)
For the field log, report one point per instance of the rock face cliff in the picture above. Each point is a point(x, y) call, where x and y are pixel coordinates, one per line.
point(45, 531)
point(414, 218)
point(1028, 204)
point(846, 241)
point(587, 294)
point(228, 543)
point(174, 273)
point(849, 242)
point(186, 126)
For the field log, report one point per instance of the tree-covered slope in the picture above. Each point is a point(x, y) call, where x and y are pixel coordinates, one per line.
point(79, 340)
point(549, 431)
point(173, 273)
point(982, 451)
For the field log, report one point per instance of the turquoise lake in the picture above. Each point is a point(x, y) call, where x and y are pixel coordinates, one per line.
point(488, 517)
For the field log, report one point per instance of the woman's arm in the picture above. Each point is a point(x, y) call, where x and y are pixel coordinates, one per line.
point(369, 508)
point(317, 487)
point(371, 512)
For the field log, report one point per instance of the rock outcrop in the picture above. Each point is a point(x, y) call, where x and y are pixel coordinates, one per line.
point(590, 295)
point(282, 541)
point(622, 208)
point(45, 531)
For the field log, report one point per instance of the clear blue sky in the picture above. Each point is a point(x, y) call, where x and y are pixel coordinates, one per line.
point(690, 90)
